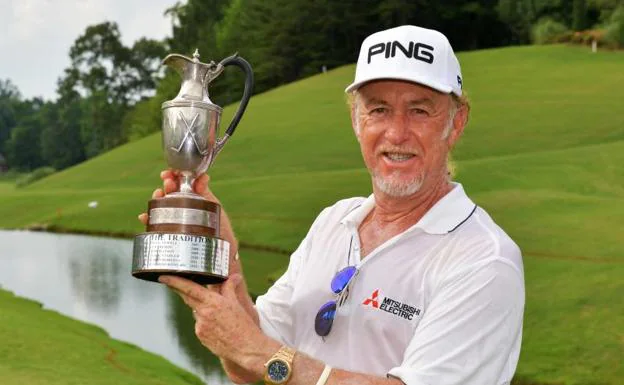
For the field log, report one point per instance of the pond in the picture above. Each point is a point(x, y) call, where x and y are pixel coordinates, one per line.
point(88, 278)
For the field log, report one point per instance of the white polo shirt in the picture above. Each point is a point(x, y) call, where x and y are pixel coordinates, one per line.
point(441, 303)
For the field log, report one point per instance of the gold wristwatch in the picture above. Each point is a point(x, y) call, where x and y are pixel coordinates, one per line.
point(279, 367)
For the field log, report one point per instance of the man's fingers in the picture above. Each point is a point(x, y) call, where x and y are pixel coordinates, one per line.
point(228, 288)
point(215, 288)
point(201, 183)
point(169, 174)
point(186, 287)
point(158, 193)
point(201, 187)
point(170, 185)
point(189, 301)
point(170, 180)
point(143, 218)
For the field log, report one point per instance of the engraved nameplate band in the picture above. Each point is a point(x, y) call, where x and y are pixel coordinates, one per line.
point(170, 252)
point(182, 216)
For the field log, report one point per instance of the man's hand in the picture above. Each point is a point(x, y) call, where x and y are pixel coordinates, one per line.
point(221, 323)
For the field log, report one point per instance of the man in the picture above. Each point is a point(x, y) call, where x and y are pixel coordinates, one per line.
point(414, 284)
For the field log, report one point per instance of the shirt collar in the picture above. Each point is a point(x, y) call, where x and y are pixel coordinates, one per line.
point(445, 216)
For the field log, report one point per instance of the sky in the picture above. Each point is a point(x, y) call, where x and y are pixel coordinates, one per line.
point(35, 35)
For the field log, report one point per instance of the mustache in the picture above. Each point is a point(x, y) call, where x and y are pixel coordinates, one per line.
point(397, 149)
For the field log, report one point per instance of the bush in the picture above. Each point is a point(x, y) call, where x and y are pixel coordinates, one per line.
point(31, 177)
point(584, 37)
point(547, 31)
point(10, 175)
point(614, 28)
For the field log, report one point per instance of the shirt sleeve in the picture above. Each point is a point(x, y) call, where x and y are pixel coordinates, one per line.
point(469, 330)
point(274, 310)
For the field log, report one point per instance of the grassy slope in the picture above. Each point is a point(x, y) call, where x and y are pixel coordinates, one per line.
point(542, 154)
point(67, 352)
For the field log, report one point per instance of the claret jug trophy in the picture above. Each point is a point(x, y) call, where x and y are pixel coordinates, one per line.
point(182, 234)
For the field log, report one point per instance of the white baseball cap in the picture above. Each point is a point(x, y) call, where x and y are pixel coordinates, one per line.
point(411, 53)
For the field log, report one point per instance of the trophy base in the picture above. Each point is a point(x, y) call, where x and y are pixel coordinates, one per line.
point(200, 258)
point(199, 278)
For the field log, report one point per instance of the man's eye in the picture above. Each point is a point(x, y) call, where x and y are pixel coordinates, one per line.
point(420, 111)
point(379, 110)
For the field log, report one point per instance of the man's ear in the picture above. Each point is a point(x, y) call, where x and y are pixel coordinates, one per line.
point(354, 121)
point(459, 124)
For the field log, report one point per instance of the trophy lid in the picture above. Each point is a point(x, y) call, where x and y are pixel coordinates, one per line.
point(195, 76)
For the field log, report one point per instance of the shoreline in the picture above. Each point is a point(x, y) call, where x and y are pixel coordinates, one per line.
point(46, 228)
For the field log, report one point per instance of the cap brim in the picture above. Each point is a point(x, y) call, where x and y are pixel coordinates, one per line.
point(412, 79)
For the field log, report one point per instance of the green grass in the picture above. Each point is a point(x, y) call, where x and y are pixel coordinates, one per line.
point(542, 153)
point(41, 347)
point(6, 187)
point(573, 322)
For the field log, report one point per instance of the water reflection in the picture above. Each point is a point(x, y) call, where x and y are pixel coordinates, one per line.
point(88, 278)
point(96, 283)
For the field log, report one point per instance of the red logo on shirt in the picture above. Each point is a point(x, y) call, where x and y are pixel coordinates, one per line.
point(372, 300)
point(392, 306)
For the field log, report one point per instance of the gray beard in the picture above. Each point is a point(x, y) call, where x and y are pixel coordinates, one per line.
point(398, 189)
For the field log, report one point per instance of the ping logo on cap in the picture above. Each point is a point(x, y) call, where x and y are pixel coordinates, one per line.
point(418, 51)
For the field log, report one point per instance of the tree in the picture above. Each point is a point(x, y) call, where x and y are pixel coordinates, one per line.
point(8, 90)
point(9, 98)
point(144, 118)
point(101, 123)
point(100, 62)
point(520, 15)
point(194, 26)
point(24, 146)
point(109, 77)
point(61, 145)
point(145, 67)
point(603, 8)
point(291, 39)
point(579, 17)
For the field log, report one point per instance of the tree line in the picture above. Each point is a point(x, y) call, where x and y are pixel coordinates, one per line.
point(111, 93)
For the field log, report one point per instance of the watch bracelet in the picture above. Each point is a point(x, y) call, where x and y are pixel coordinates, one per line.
point(286, 352)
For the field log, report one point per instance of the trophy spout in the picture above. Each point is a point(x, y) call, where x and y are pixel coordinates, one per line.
point(195, 76)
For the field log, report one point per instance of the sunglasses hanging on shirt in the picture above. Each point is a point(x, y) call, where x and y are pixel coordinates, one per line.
point(340, 286)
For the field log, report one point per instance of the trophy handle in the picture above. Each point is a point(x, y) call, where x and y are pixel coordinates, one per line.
point(249, 83)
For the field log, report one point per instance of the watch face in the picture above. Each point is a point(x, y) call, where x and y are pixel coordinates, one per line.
point(278, 371)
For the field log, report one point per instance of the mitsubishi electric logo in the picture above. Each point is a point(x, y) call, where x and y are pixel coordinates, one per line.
point(372, 300)
point(391, 306)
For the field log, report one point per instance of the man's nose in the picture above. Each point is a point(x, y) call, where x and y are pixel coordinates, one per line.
point(398, 129)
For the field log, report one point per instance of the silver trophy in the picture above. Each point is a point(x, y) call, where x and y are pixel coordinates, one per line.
point(182, 235)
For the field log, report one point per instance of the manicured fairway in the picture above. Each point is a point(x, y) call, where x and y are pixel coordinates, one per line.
point(543, 153)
